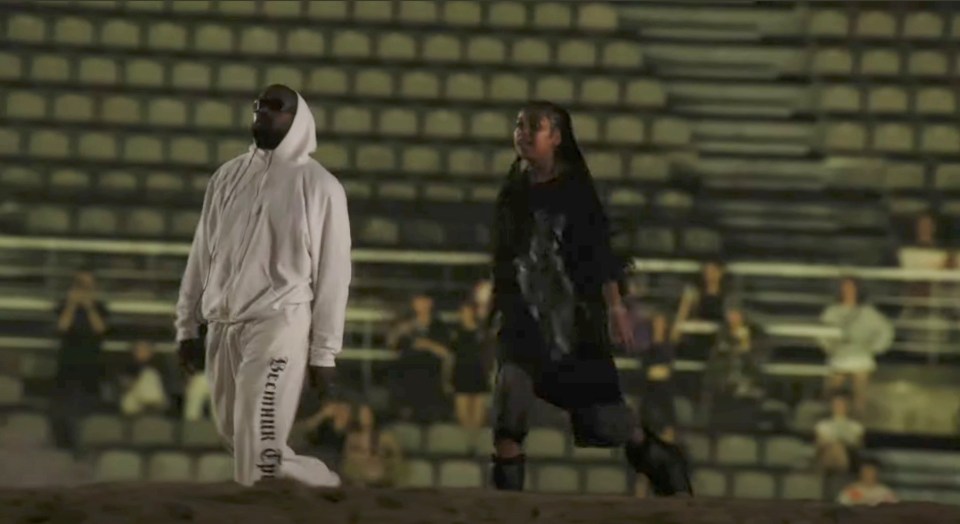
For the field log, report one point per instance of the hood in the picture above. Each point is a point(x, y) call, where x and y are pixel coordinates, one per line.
point(301, 139)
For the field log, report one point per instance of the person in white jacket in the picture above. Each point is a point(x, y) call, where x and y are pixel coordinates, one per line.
point(268, 273)
point(865, 333)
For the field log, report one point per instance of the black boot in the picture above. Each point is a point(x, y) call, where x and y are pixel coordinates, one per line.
point(661, 462)
point(508, 473)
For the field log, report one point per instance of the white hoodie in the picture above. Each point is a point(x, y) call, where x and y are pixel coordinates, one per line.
point(274, 231)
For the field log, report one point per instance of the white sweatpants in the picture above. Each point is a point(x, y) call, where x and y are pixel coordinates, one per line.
point(256, 371)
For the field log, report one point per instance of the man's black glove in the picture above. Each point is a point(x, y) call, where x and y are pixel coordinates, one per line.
point(323, 379)
point(192, 355)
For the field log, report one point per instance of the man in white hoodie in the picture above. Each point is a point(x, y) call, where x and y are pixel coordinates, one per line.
point(268, 272)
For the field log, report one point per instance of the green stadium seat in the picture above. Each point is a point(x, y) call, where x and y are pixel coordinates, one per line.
point(143, 149)
point(153, 5)
point(738, 450)
point(238, 7)
point(876, 24)
point(375, 157)
point(464, 86)
point(409, 436)
point(460, 474)
point(923, 25)
point(507, 14)
point(605, 165)
point(420, 85)
point(754, 485)
point(259, 41)
point(887, 99)
point(396, 46)
point(73, 108)
point(622, 55)
point(826, 23)
point(96, 221)
point(893, 138)
point(31, 429)
point(100, 430)
point(328, 80)
point(25, 105)
point(166, 36)
point(880, 62)
point(935, 101)
point(840, 98)
point(373, 10)
point(490, 125)
point(327, 9)
point(530, 51)
point(22, 27)
point(118, 182)
point(508, 87)
point(377, 230)
point(448, 439)
point(118, 466)
point(786, 451)
point(11, 66)
point(305, 42)
point(461, 13)
point(169, 466)
point(442, 123)
point(645, 93)
point(586, 127)
point(597, 16)
point(546, 443)
point(120, 33)
point(845, 136)
point(425, 233)
point(373, 82)
point(215, 467)
point(351, 44)
point(419, 474)
point(555, 88)
point(159, 184)
point(486, 50)
point(73, 31)
point(600, 91)
point(230, 77)
point(656, 240)
point(709, 483)
point(606, 481)
point(551, 16)
point(214, 38)
point(283, 9)
point(199, 433)
point(11, 391)
point(442, 49)
point(50, 68)
point(145, 222)
point(624, 129)
point(801, 486)
point(418, 12)
point(928, 63)
point(558, 479)
point(940, 138)
point(832, 62)
point(98, 71)
point(398, 122)
point(141, 72)
point(69, 180)
point(183, 224)
point(49, 144)
point(671, 132)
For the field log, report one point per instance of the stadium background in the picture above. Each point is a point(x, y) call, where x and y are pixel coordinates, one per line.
point(794, 139)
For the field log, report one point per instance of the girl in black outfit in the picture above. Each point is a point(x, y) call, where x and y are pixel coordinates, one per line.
point(470, 377)
point(556, 292)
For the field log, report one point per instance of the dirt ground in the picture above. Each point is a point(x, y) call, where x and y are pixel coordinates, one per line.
point(283, 502)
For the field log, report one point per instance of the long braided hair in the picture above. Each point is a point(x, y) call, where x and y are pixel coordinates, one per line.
point(513, 219)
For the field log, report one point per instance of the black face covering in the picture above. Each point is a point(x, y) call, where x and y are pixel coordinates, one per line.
point(273, 113)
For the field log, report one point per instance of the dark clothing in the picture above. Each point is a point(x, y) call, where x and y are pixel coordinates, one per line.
point(657, 410)
point(79, 359)
point(710, 307)
point(79, 370)
point(329, 442)
point(417, 375)
point(469, 370)
point(552, 256)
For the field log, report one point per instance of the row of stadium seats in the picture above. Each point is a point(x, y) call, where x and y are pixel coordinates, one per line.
point(101, 430)
point(368, 230)
point(211, 42)
point(501, 15)
point(471, 88)
point(364, 183)
point(904, 138)
point(866, 24)
point(870, 24)
point(888, 100)
point(928, 64)
point(487, 130)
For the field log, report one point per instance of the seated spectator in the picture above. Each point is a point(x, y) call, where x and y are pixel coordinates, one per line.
point(371, 457)
point(471, 377)
point(735, 365)
point(867, 490)
point(657, 410)
point(141, 384)
point(865, 333)
point(196, 397)
point(704, 300)
point(82, 324)
point(418, 385)
point(327, 429)
point(838, 438)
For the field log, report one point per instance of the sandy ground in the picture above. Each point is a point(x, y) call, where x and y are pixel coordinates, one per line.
point(283, 502)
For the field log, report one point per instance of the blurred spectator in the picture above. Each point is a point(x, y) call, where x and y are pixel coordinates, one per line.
point(735, 365)
point(82, 323)
point(471, 378)
point(865, 333)
point(141, 384)
point(418, 385)
point(867, 490)
point(838, 438)
point(705, 299)
point(327, 430)
point(371, 457)
point(196, 397)
point(657, 410)
point(481, 297)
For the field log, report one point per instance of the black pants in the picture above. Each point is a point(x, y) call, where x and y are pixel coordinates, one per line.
point(602, 424)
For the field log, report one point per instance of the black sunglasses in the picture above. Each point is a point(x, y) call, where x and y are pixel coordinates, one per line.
point(270, 104)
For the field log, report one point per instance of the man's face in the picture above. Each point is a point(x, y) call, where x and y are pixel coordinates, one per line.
point(422, 305)
point(273, 113)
